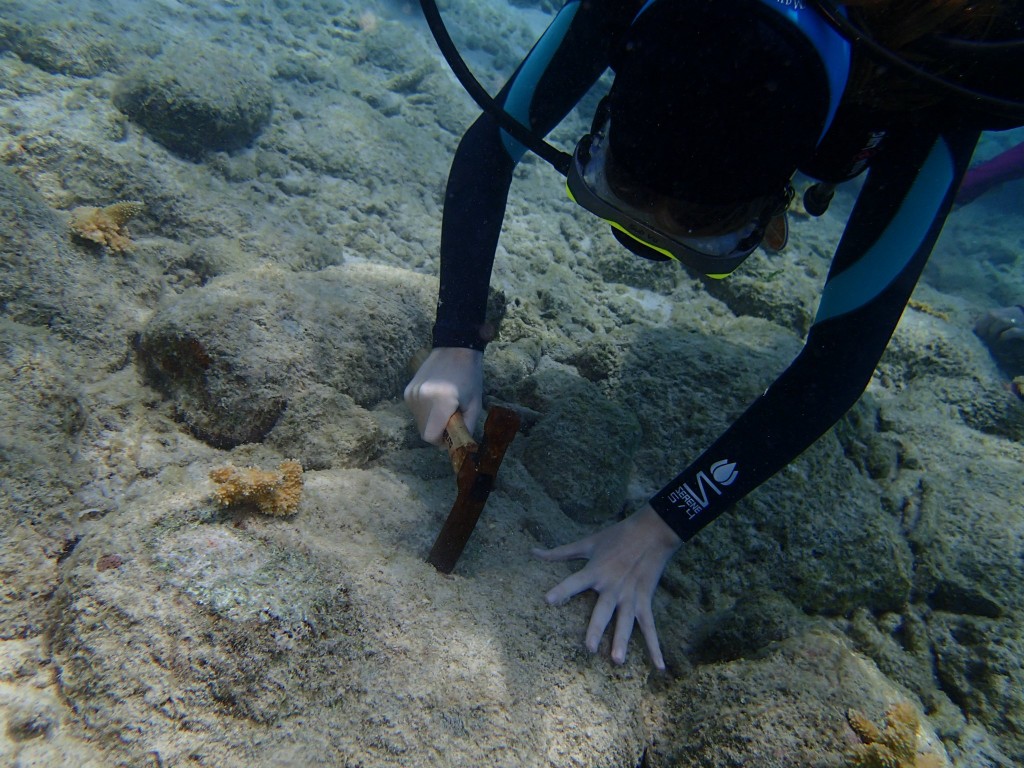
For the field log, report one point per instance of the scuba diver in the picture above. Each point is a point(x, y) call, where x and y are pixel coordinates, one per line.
point(714, 106)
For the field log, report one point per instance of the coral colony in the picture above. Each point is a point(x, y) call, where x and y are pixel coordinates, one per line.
point(274, 492)
point(895, 746)
point(106, 226)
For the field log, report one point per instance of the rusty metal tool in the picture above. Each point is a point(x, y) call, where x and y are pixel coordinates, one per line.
point(475, 469)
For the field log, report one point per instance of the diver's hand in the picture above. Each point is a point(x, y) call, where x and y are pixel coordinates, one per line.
point(626, 562)
point(1001, 325)
point(450, 379)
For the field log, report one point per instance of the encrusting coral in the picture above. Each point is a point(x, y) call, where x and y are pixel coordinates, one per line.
point(106, 226)
point(274, 492)
point(895, 746)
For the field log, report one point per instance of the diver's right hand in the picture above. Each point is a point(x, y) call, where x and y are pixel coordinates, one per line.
point(1001, 325)
point(451, 379)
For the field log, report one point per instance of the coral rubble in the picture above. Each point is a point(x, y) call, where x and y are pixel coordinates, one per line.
point(895, 746)
point(274, 492)
point(106, 226)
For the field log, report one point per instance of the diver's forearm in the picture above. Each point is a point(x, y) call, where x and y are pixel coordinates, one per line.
point(888, 240)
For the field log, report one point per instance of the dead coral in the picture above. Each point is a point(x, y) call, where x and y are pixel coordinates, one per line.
point(274, 492)
point(106, 226)
point(895, 746)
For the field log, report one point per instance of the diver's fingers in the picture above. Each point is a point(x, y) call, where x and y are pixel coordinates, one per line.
point(432, 403)
point(1016, 333)
point(580, 581)
point(645, 619)
point(471, 413)
point(623, 629)
point(599, 618)
point(577, 550)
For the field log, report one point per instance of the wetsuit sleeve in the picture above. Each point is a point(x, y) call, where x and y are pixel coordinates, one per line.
point(561, 67)
point(890, 234)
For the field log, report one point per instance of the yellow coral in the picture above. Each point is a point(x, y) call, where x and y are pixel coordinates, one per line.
point(928, 309)
point(106, 226)
point(274, 492)
point(895, 746)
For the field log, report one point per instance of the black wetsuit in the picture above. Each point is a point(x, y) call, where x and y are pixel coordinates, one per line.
point(914, 162)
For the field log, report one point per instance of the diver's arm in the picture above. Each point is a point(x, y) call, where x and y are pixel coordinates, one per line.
point(561, 67)
point(474, 207)
point(887, 242)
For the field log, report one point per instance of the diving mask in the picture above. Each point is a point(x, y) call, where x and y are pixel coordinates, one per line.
point(638, 223)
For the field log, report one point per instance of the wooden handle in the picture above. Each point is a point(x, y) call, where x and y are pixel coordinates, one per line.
point(458, 441)
point(475, 479)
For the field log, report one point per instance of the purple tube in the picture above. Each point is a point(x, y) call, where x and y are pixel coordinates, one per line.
point(1006, 166)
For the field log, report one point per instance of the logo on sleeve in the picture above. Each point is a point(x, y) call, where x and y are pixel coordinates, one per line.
point(694, 499)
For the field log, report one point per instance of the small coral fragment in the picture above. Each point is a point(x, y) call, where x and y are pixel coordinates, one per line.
point(928, 309)
point(895, 746)
point(863, 727)
point(274, 492)
point(106, 226)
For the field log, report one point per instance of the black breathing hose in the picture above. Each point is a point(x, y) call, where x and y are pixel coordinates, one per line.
point(560, 161)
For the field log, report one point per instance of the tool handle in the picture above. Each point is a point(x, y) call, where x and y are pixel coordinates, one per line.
point(475, 478)
point(458, 441)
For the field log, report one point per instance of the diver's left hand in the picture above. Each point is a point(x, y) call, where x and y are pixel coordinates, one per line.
point(1002, 325)
point(626, 563)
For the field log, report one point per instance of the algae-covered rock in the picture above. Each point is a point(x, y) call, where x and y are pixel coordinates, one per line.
point(784, 708)
point(752, 623)
point(68, 48)
point(241, 627)
point(46, 281)
point(41, 419)
point(194, 99)
point(231, 353)
point(581, 450)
